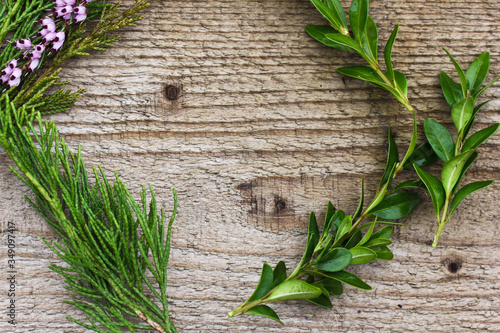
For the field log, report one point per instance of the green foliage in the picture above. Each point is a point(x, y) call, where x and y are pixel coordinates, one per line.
point(460, 155)
point(110, 242)
point(326, 256)
point(116, 250)
point(32, 93)
point(343, 240)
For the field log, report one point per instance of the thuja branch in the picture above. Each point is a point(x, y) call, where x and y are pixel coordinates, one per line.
point(106, 238)
point(110, 242)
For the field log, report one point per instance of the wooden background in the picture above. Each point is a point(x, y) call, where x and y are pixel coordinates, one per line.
point(257, 131)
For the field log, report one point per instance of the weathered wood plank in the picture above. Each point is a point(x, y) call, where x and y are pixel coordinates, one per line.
point(263, 132)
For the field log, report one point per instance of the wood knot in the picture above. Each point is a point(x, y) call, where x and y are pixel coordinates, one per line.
point(453, 264)
point(172, 92)
point(279, 203)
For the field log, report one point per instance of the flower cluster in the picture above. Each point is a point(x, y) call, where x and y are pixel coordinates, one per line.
point(52, 38)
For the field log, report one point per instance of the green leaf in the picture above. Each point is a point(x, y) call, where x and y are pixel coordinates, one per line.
point(358, 16)
point(310, 246)
point(477, 71)
point(265, 282)
point(471, 121)
point(359, 210)
point(330, 212)
point(452, 170)
point(465, 191)
point(336, 6)
point(452, 91)
point(312, 237)
point(462, 112)
point(319, 33)
point(363, 73)
point(461, 74)
point(334, 287)
point(392, 159)
point(379, 196)
point(323, 301)
point(344, 228)
point(401, 82)
point(349, 279)
point(440, 139)
point(410, 184)
point(385, 232)
point(294, 290)
point(279, 274)
point(335, 260)
point(370, 39)
point(383, 253)
point(264, 311)
point(355, 238)
point(396, 206)
point(378, 242)
point(434, 187)
point(362, 255)
point(422, 156)
point(337, 218)
point(388, 52)
point(487, 86)
point(368, 234)
point(466, 167)
point(336, 19)
point(344, 40)
point(479, 137)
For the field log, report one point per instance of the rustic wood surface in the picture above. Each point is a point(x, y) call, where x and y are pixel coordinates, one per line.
point(235, 106)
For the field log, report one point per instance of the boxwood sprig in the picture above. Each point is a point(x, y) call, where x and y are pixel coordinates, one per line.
point(458, 155)
point(344, 240)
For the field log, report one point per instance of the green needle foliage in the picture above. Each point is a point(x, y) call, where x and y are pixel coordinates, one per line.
point(459, 155)
point(116, 249)
point(105, 237)
point(343, 240)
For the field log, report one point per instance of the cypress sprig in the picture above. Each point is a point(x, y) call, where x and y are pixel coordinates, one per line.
point(110, 242)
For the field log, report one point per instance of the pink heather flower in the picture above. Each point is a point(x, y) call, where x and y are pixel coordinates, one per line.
point(16, 72)
point(58, 41)
point(62, 11)
point(49, 37)
point(38, 50)
point(80, 14)
point(14, 78)
point(33, 64)
point(62, 3)
point(22, 44)
point(48, 23)
point(13, 83)
point(7, 71)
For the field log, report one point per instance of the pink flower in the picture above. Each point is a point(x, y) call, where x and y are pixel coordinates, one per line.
point(9, 68)
point(49, 37)
point(22, 44)
point(37, 52)
point(62, 3)
point(62, 11)
point(58, 41)
point(80, 14)
point(14, 78)
point(13, 83)
point(33, 64)
point(48, 23)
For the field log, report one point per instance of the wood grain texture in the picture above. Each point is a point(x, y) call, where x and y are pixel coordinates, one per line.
point(263, 131)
